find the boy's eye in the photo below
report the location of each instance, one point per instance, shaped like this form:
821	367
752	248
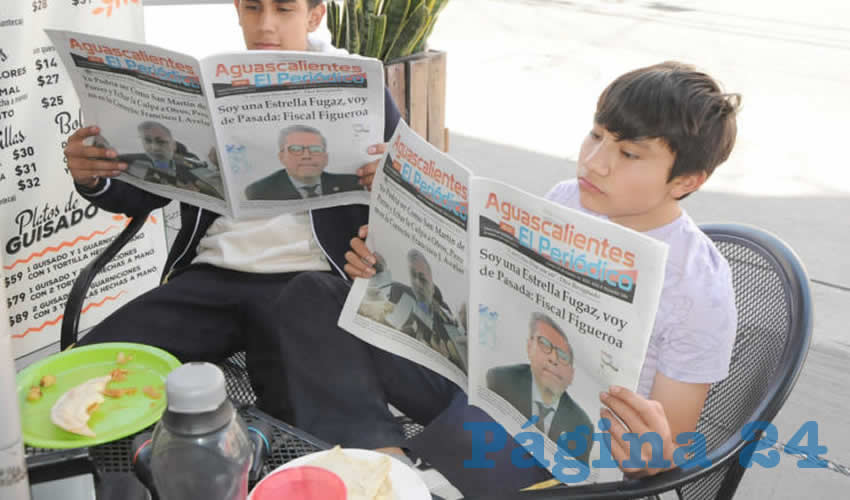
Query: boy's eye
630	156
595	136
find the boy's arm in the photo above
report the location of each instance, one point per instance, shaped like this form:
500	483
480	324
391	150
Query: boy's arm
682	402
673	407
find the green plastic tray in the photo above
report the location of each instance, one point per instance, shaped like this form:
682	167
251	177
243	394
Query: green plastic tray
115	418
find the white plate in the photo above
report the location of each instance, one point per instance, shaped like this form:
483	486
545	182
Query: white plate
407	485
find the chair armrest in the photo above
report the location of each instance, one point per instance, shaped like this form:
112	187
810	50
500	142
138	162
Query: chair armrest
633	488
77	296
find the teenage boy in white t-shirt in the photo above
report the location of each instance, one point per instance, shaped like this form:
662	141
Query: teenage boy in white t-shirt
658	133
236	285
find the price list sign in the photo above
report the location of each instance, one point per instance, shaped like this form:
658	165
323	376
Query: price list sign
48	231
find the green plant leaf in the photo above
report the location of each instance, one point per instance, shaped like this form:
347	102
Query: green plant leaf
370	7
377	29
436	7
342	29
352	27
396	12
333	21
362	27
410	33
414	4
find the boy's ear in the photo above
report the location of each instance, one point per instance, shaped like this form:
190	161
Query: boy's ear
316	15
687	183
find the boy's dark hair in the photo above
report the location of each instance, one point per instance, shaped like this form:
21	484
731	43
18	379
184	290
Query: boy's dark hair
676	103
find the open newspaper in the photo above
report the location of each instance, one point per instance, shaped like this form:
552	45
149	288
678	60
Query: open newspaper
245	134
513	297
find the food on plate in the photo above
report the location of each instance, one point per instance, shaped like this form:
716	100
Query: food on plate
47	381
123	358
34	394
365	479
119	393
151	392
118	375
73	409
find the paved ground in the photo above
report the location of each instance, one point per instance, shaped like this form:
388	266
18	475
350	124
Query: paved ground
523	79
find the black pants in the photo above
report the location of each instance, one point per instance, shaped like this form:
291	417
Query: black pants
207	314
309	372
348	400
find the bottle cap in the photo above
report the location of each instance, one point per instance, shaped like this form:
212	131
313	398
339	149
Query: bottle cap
195	388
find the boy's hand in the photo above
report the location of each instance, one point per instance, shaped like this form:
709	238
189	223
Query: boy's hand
360	261
88	163
367	171
640	415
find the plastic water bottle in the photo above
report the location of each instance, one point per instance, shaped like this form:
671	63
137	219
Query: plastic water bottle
200	447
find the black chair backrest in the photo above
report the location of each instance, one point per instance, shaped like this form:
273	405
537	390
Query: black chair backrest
79	291
774	330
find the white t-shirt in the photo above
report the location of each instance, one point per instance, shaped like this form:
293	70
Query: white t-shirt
279	244
695	326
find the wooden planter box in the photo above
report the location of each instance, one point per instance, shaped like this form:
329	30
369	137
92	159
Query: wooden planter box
418	86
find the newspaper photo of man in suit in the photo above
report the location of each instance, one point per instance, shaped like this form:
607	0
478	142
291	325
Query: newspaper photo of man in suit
303	152
167	161
418	310
539	388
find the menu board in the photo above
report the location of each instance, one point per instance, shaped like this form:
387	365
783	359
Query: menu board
48	231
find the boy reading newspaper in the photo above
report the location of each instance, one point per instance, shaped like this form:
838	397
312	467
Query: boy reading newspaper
657	135
233	285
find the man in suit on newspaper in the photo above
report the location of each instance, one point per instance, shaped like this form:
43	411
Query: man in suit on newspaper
304	156
540	388
166	161
418	310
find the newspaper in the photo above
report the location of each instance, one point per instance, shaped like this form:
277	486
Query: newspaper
245	134
512	297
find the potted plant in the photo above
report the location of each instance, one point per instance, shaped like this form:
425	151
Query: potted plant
396	32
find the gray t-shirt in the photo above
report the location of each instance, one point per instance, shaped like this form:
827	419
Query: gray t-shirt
695	326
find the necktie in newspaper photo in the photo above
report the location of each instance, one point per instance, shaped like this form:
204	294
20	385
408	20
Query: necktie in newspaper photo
311	190
543	411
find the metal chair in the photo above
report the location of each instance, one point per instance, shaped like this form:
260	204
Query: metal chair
79	291
774	331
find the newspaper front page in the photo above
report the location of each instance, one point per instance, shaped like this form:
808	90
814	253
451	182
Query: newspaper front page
558	305
415	304
247	134
565	308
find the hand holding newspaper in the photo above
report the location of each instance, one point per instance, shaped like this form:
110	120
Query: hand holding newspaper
245	134
561	304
